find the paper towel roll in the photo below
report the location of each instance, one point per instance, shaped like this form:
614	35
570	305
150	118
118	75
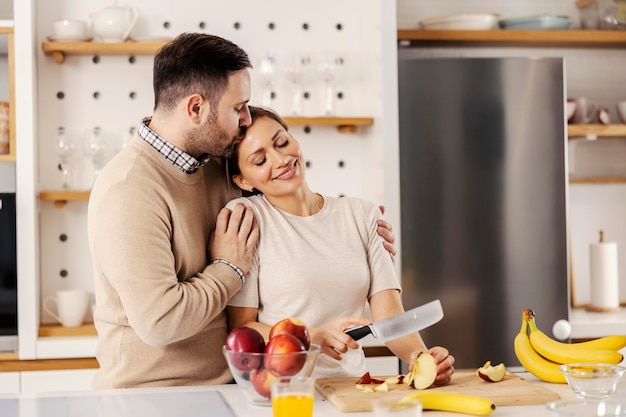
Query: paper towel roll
604	278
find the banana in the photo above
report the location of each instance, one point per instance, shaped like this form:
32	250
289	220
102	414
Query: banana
558	352
615	342
533	362
455	403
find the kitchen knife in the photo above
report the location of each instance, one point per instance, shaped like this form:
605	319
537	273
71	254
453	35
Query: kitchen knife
397	326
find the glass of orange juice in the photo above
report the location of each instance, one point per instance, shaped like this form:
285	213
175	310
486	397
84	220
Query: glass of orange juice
293	396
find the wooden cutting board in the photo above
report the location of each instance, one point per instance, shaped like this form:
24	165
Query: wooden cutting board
513	390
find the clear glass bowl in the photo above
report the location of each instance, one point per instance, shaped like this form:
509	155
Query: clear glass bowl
592	380
254	372
588	408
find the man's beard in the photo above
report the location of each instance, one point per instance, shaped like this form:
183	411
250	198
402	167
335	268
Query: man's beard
210	139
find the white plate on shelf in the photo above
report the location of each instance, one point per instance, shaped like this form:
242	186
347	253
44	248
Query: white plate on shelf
83	39
463	21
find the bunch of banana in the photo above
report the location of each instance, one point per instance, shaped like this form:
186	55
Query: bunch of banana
454	403
541	355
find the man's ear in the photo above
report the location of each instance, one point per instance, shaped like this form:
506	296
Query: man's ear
196	107
242	183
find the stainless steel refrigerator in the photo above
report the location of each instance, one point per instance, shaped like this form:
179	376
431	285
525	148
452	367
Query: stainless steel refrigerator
483	198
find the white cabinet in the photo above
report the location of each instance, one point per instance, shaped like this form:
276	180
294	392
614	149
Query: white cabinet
9	382
55	381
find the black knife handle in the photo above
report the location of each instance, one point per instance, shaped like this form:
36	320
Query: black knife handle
359	332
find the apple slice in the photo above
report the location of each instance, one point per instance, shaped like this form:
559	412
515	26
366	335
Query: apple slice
382	387
491	373
364	388
424	372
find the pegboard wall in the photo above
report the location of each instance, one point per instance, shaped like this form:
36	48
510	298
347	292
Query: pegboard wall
112	93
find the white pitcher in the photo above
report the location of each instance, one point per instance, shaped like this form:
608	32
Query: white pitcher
114	23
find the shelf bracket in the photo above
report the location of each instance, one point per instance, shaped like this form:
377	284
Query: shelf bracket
58	56
346	128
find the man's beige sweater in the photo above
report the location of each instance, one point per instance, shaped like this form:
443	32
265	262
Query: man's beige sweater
160	306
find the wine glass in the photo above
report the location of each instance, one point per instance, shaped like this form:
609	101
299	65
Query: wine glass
267	70
329	70
65	150
95	149
298	72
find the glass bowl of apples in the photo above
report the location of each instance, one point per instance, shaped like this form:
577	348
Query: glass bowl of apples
255	363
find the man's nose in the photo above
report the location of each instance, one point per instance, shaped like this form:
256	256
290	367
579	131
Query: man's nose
246	119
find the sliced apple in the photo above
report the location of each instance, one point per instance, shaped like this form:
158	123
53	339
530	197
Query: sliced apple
394	380
491	373
424	372
382	387
364	388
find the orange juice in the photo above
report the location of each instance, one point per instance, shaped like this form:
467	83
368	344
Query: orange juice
292	405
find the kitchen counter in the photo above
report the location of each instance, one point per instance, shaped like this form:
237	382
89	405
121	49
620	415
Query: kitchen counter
202	401
586	324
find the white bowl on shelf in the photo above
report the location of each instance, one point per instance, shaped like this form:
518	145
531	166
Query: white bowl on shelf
463	21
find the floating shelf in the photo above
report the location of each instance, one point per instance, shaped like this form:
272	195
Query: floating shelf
57	330
572	38
593	131
59	50
61	198
597	180
344	124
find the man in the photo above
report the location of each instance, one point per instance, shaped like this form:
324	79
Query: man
166	256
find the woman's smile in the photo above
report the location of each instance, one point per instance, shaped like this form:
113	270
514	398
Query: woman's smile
289	172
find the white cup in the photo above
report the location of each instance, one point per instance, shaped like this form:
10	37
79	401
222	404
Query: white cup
66	29
584	112
71	306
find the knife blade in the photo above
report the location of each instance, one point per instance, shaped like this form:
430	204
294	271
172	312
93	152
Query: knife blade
400	325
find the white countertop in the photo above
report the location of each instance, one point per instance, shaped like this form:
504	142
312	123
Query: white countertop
201	401
586	324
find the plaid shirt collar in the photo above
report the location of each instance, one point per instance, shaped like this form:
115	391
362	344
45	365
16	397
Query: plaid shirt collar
180	159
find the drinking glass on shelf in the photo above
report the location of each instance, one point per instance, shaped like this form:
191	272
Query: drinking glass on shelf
65	150
95	149
267	70
329	70
298	72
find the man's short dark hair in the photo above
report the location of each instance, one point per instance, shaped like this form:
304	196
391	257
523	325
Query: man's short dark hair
195	63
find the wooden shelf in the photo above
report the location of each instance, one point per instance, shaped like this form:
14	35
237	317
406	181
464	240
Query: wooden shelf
13	364
61	198
59	50
597	180
593	131
344	124
57	330
572	38
7	157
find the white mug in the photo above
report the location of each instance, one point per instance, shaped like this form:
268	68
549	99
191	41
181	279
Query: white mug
71	306
585	111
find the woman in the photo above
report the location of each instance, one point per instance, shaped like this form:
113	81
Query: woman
319	258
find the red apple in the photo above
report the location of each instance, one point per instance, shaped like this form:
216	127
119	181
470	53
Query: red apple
261	380
281	355
294	327
244	340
